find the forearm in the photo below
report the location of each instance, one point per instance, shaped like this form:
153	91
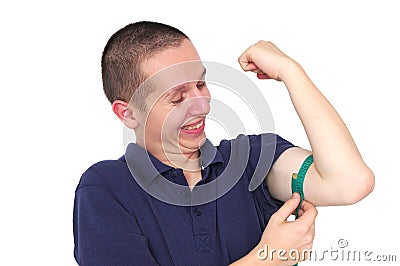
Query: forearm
338	175
336	156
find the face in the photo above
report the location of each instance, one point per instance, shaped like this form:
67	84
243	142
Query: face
175	120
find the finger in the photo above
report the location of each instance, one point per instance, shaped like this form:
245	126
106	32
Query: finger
301	210
311	229
249	66
246	62
304	206
287	209
308	213
262	75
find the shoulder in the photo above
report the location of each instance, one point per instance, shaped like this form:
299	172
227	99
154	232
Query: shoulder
255	144
102	173
255	153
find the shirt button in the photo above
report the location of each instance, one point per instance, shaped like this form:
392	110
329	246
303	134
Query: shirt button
197	212
174	175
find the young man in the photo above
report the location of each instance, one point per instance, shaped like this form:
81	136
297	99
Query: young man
119	219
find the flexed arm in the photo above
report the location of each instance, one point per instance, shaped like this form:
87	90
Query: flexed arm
338	175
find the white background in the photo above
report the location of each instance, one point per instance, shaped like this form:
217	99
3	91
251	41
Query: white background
56	121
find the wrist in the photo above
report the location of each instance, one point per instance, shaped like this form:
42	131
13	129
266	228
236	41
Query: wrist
290	69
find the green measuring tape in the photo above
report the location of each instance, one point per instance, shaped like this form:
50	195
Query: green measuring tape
298	181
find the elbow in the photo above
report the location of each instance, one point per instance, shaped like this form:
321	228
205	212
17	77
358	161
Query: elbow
371	182
367	185
362	186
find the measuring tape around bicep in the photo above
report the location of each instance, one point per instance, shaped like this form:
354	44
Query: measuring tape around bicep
298	181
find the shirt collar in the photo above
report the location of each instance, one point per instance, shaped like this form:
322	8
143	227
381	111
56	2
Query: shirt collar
142	164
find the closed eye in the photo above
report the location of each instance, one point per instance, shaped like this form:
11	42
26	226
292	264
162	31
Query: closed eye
177	101
178	98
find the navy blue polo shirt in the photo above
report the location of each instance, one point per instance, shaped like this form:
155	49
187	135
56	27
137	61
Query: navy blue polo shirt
138	211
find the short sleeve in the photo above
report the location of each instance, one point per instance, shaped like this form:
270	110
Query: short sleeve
104	232
268	147
264	151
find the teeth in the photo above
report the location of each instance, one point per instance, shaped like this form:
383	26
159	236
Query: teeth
194	127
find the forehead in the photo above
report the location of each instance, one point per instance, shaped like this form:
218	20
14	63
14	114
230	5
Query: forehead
171	56
175	78
173	67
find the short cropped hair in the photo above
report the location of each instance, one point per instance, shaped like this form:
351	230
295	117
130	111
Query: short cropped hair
124	55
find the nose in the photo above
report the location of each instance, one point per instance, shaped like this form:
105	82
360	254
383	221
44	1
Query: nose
199	102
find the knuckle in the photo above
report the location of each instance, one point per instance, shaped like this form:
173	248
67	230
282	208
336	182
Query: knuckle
261	43
314	212
308	239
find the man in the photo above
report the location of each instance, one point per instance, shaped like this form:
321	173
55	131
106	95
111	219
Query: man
124	212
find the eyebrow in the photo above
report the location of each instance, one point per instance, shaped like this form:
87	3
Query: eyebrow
178	88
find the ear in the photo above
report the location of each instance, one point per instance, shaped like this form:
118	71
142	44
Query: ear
125	113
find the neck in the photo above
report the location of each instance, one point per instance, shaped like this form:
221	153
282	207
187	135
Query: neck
189	162
174	156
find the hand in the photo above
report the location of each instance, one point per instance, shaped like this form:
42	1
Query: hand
295	235
265	59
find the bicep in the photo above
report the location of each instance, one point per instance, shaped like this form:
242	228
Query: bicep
279	179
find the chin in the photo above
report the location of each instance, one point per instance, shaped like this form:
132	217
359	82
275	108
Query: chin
192	144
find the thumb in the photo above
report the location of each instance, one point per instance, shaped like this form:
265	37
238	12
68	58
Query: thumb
248	66
288	208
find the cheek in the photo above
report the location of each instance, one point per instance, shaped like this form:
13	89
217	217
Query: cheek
176	117
154	121
164	121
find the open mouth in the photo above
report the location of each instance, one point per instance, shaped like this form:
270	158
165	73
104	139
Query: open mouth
194	128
